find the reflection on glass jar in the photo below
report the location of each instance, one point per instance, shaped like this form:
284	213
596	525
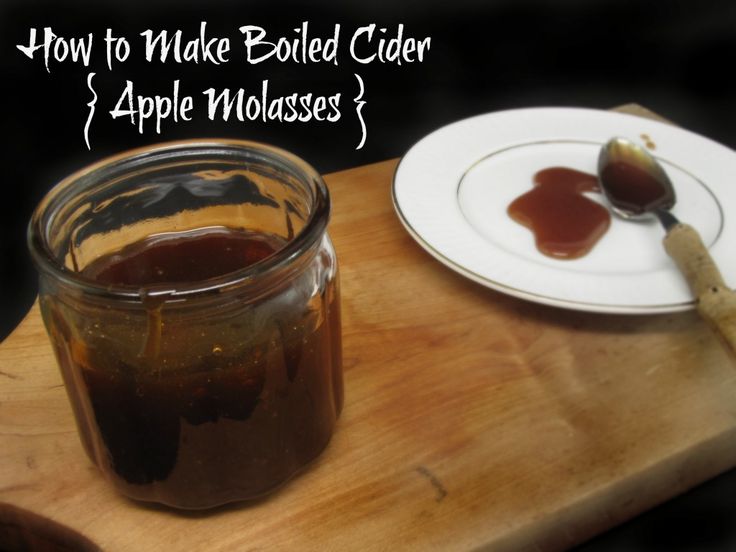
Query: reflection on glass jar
191	294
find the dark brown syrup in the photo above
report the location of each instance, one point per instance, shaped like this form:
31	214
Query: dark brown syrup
190	257
632	189
222	407
566	224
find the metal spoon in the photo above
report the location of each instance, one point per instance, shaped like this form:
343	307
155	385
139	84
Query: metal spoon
636	186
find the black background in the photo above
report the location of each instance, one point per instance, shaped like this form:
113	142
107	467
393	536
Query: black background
674	57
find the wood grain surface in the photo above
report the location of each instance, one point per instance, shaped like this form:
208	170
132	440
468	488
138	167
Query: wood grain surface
472	420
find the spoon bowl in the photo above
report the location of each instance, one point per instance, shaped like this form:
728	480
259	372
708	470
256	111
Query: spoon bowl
634	183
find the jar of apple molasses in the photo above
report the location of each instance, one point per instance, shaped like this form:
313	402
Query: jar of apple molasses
191	295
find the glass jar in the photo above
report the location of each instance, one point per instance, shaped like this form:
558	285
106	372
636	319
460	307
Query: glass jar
191	295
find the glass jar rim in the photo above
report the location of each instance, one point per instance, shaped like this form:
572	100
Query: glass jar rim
214	149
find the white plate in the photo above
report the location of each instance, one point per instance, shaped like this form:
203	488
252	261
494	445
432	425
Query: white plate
451	191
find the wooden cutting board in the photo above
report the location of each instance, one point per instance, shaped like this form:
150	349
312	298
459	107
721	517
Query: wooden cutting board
472	420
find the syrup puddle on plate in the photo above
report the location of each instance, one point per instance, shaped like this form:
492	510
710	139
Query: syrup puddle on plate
566	224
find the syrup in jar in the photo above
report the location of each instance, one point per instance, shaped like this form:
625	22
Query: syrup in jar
203	365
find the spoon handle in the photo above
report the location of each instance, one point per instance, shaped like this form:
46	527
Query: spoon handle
716	302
